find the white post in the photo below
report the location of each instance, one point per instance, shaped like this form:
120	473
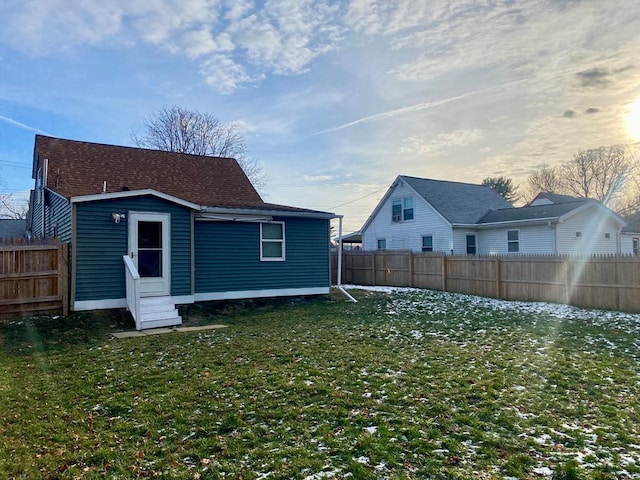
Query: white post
339	251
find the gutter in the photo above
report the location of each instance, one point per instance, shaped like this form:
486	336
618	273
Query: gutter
540	221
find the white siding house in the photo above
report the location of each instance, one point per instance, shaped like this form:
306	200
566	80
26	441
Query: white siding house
421	214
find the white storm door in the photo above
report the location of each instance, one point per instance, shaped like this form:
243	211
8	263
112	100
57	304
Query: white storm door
149	247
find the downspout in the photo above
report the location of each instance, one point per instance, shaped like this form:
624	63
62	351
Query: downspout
339	282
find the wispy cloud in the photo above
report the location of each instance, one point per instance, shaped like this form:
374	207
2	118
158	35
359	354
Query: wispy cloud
24	126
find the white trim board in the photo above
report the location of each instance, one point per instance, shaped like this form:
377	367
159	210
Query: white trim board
121	303
275	292
134	193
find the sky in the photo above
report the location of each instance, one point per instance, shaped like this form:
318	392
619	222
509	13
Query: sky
333	98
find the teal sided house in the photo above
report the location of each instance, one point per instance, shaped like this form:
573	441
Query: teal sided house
150	229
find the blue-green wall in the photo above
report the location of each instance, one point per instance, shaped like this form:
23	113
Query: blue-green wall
57	217
227	256
100	244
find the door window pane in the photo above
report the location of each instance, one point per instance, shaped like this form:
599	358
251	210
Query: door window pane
150	263
149	234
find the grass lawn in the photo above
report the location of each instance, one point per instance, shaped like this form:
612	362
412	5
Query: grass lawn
409	384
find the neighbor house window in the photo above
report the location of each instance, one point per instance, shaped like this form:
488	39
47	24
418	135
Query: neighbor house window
471	244
513	241
427	243
382	244
578	234
607	235
407	211
272	241
636	245
402	209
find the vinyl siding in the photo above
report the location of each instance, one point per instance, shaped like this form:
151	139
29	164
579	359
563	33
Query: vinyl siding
35	210
626	243
460	240
100	244
536	239
593	225
407	235
57	217
227	256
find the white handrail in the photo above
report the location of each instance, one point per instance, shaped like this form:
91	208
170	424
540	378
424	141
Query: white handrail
132	278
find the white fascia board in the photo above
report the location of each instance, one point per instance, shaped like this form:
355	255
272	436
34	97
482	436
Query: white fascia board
384	198
238	212
134	193
212	217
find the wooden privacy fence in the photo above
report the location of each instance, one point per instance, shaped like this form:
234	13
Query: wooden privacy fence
608	282
33	279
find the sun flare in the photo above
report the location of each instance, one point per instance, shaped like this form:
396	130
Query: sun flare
633	120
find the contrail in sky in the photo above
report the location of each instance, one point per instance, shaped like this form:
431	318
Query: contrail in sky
11	121
413	108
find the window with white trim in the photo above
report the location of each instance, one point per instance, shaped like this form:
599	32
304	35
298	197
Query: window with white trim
636	245
513	241
272	245
427	243
471	244
607	235
402	209
578	234
382	244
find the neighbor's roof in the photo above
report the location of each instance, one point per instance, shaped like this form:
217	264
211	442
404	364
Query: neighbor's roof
458	203
80	168
11	228
633	223
556	198
551	211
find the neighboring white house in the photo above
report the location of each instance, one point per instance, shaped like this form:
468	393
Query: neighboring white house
421	214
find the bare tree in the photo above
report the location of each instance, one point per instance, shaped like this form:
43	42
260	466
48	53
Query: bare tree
176	129
504	186
13	208
544	180
601	173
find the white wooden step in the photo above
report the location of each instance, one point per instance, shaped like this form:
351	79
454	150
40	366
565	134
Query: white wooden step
158	312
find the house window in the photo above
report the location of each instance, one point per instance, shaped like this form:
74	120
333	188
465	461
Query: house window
578	234
272	241
471	244
407	211
607	235
513	241
636	245
402	210
382	244
396	211
427	243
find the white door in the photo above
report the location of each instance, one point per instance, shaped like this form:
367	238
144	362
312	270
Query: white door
150	250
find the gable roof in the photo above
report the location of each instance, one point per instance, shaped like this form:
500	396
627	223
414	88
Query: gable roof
553	212
458	203
78	168
550	211
555	198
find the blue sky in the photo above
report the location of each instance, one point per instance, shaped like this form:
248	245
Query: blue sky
334	99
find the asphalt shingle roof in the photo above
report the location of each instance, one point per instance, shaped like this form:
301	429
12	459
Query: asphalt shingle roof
80	168
551	211
461	203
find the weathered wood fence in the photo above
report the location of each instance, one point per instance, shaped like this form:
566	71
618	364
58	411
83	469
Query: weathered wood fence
33	279
607	282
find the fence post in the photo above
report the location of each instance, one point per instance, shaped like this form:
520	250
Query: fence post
63	277
444	272
498	277
567	280
411	269
373	268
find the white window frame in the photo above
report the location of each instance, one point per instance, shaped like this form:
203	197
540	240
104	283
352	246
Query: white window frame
272	240
422	245
607	235
384	240
516	242
578	234
396	218
475	243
